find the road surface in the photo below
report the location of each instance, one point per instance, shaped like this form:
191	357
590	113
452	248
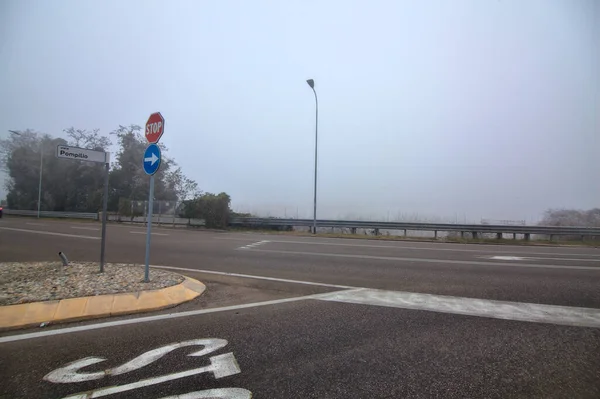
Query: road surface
301	317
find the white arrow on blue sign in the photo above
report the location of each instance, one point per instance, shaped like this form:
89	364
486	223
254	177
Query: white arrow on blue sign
151	159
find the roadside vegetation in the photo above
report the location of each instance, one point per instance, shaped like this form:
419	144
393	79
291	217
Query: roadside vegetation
78	186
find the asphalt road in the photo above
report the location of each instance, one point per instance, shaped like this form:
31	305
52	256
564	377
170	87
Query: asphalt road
310	317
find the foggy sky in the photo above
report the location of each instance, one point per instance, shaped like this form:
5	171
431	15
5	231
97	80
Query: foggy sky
451	109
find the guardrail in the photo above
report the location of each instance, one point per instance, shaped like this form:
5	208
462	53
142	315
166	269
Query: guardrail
158	219
353	225
52	214
474	229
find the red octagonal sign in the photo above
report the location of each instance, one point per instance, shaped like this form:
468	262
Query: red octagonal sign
155	127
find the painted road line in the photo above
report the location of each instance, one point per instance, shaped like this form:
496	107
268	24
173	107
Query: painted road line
530	312
282	280
503	257
50	233
512	257
215	393
85	228
424	260
143	232
256	244
146	319
36	224
412	248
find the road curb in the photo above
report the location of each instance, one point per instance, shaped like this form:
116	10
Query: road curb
93	307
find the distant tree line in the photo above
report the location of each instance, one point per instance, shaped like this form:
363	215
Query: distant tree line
77	186
571	217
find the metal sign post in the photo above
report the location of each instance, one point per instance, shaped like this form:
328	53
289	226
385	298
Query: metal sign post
149	230
151	162
83	154
104	216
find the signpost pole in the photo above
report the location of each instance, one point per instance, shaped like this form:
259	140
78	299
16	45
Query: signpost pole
85	154
155	127
149	230
104	216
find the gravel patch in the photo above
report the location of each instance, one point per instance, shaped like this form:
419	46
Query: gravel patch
46	281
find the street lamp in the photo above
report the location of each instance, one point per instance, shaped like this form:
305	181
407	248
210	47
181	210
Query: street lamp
311	83
41	171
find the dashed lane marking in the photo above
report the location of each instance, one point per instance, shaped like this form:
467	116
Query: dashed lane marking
253	245
143	232
425	260
49	233
402	246
505	257
85	228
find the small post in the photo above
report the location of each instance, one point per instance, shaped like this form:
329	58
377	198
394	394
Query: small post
462	234
353	230
149	231
499	236
64	259
526	236
435	234
474	235
404	233
514	236
174	213
104	216
550	237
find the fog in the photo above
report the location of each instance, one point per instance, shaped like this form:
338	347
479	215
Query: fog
438	109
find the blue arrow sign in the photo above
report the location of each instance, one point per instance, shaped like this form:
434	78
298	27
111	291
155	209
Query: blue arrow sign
151	159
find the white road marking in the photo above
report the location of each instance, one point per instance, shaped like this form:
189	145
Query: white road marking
143	232
485	248
512	257
36	224
283	280
50	233
256	244
69	372
221	366
530	312
506	257
218	393
146	319
85	228
424	260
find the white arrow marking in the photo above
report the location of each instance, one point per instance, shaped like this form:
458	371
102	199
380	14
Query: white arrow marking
151	159
221	366
69	373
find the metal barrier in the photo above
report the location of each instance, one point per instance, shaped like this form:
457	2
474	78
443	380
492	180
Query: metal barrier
52	214
448	227
351	224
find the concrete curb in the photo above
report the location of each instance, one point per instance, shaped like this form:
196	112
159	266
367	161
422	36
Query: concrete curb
92	307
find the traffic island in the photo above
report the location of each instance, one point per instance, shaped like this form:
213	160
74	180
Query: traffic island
37	294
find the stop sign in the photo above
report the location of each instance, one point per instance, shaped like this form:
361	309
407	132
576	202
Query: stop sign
155	127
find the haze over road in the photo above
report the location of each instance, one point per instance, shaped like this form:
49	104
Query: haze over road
324	318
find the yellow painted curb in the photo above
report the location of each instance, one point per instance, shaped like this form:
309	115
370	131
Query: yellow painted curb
91	307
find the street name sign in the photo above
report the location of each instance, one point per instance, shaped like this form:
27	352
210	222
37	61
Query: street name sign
81	154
